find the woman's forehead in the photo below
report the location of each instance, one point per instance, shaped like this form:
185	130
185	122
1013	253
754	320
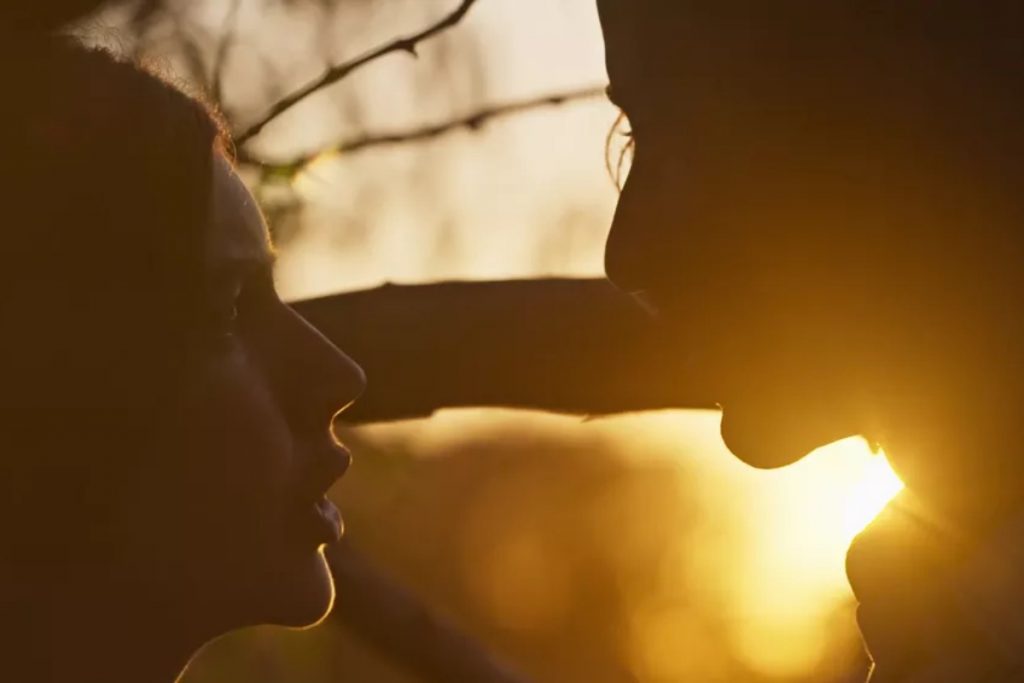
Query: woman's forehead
238	231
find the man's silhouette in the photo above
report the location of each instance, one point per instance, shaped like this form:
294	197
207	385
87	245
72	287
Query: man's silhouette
826	206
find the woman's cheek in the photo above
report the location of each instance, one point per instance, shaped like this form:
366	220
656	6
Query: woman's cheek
238	462
259	443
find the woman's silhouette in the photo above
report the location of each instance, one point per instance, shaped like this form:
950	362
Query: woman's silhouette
825	204
166	418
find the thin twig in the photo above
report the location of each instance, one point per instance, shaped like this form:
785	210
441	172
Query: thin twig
223	52
337	72
474	121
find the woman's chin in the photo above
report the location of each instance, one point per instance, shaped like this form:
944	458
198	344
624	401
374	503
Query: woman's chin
305	595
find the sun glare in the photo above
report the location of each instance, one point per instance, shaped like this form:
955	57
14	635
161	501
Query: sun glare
877	485
795	578
764	551
719	571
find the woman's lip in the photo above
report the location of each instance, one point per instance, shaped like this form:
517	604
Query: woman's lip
327	522
328	463
339	458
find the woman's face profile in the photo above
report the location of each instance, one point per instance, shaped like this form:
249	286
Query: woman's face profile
236	517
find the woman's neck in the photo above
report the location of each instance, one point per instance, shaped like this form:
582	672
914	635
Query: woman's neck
91	636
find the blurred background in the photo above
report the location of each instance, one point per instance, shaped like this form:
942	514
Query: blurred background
623	549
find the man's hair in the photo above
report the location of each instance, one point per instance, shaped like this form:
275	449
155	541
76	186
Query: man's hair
982	34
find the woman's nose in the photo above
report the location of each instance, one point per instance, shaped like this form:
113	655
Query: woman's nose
319	380
345	383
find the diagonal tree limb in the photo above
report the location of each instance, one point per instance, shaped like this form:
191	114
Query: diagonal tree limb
336	73
473	121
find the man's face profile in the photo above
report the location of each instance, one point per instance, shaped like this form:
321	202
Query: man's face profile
794	161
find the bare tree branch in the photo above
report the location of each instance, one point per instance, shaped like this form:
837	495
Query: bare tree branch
223	52
474	121
337	72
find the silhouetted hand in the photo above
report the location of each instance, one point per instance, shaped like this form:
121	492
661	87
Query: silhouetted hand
935	606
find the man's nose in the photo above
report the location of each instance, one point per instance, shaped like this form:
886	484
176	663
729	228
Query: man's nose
637	253
624	263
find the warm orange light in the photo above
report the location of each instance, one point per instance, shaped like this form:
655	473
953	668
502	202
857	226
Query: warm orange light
797	577
772	562
718	567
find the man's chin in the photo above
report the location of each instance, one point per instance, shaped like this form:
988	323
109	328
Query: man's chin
768	439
